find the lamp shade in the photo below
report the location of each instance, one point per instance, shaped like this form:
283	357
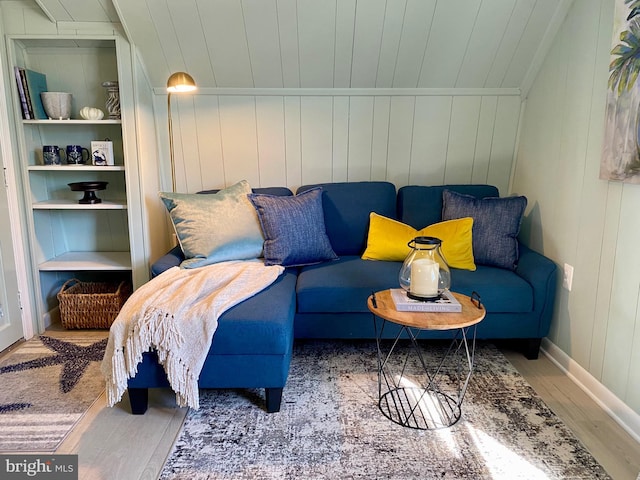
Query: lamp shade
181	82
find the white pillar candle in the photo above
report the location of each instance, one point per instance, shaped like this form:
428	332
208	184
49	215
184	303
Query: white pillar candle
424	277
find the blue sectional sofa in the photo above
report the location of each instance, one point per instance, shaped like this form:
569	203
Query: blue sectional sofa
253	344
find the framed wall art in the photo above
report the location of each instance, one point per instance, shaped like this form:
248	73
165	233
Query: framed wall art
621	145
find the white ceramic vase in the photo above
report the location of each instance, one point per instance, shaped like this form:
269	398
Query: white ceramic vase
57	105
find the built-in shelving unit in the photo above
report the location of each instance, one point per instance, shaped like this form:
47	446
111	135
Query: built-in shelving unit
92	242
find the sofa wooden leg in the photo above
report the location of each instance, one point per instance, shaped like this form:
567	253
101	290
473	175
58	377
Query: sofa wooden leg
532	348
139	400
273	397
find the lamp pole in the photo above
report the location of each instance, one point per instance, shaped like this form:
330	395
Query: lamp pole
172	158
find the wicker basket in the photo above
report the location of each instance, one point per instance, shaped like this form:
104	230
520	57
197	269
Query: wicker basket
91	305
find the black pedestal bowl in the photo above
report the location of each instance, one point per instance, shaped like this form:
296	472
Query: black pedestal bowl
89	189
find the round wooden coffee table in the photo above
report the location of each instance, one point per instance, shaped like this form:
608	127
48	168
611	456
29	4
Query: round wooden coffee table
423	386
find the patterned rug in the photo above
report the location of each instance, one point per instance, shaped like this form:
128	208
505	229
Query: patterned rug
48	383
330	427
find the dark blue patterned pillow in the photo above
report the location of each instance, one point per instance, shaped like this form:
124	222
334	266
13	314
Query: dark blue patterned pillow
293	228
496	223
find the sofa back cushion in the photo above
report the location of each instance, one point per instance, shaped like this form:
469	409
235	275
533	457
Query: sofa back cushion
420	206
347	206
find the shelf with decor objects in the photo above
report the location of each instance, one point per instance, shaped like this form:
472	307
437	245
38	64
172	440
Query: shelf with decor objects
94	235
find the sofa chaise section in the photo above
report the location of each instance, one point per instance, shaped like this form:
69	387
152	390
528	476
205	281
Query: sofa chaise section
252	345
251	348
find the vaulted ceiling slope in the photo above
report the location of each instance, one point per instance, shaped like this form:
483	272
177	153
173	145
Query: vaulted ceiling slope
334	43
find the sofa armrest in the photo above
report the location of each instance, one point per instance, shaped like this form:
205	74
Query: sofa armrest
172	258
541	273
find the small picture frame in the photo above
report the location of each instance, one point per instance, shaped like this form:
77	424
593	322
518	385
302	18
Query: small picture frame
102	152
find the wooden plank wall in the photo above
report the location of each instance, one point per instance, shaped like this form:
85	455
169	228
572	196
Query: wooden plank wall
575	217
294	139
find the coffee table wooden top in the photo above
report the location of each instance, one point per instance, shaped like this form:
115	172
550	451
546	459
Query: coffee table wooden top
470	314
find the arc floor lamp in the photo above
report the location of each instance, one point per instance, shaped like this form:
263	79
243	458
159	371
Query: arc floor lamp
179	82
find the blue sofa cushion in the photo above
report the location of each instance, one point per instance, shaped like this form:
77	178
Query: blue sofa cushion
343	285
262	324
173	258
347	206
496	224
293	228
500	290
420	206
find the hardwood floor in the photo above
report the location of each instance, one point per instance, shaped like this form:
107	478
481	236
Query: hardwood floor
112	444
614	448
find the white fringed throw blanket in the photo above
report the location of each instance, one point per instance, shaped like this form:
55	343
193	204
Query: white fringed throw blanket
177	314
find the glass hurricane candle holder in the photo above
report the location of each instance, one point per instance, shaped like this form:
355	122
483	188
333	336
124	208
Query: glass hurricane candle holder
425	274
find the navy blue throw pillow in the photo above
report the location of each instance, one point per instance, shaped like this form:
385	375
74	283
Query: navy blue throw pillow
293	228
496	224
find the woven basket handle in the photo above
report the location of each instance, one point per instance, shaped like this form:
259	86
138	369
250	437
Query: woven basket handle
120	287
64	285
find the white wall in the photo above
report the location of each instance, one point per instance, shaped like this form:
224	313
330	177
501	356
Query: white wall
295	137
576	218
155	220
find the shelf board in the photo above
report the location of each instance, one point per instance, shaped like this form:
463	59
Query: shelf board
87	261
72	122
67	168
64	204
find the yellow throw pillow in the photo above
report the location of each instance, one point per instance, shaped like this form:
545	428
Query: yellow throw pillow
388	240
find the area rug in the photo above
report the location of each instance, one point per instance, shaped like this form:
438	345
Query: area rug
330	426
48	383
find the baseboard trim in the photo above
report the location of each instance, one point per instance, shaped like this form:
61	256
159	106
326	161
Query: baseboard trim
610	403
51	317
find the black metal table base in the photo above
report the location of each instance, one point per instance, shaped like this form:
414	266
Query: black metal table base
417	389
420	408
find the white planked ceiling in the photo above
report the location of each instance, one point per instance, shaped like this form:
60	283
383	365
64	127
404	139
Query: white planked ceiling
79	10
333	43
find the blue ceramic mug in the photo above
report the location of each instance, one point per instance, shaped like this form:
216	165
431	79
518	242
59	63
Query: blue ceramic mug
51	154
77	154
